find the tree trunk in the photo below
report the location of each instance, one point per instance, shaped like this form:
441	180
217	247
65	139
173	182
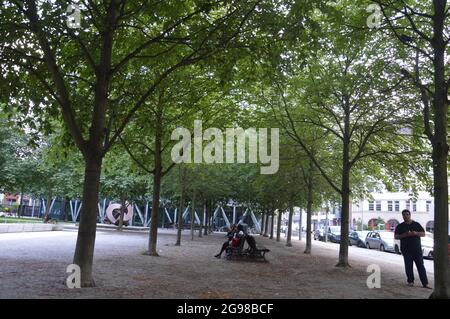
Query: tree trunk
84	250
64	211
203	218
345	188
20	210
263	224
289	230
345	210
193	215
180	213
272	225
440	157
266	226
123	208
205	228
300	222
163	219
156	193
279	225
309	205
440	253
47	208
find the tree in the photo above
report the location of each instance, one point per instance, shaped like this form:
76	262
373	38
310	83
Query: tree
420	29
347	96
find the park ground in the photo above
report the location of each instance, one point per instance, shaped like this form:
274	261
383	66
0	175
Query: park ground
33	265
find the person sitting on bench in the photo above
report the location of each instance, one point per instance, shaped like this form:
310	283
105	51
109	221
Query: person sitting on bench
230	236
236	240
251	243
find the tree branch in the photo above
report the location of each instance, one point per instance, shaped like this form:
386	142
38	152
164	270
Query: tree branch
67	110
139	163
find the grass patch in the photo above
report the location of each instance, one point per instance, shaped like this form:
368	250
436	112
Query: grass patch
13	220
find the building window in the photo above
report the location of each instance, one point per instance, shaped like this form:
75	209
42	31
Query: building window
414	206
371	205
397	206
378	206
389	206
408	205
428	206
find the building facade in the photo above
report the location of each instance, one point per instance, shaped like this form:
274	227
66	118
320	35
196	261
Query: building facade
384	210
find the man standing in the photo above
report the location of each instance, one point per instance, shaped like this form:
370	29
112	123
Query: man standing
409	233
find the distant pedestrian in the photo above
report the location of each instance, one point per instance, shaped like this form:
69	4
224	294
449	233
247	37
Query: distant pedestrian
409	233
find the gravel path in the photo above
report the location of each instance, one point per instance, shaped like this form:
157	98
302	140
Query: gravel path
32	265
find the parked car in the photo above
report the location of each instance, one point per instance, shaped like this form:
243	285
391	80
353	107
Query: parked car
334	234
382	240
319	234
427	243
358	238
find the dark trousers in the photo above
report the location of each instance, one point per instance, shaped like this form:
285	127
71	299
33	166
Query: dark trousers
224	246
416	258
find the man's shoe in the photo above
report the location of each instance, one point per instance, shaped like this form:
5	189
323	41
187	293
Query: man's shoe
217	256
410	284
427	287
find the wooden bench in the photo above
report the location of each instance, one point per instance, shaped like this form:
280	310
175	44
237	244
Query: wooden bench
238	253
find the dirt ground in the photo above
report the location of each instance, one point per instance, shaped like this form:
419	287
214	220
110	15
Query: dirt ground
33	266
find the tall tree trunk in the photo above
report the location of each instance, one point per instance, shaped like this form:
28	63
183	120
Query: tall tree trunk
309	205
440	157
263	223
212	217
266	226
345	187
20	209
300	221
289	230
272	225
279	225
123	208
156	193
205	229
47	208
84	250
202	218
180	213
440	253
64	211
93	154
193	215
